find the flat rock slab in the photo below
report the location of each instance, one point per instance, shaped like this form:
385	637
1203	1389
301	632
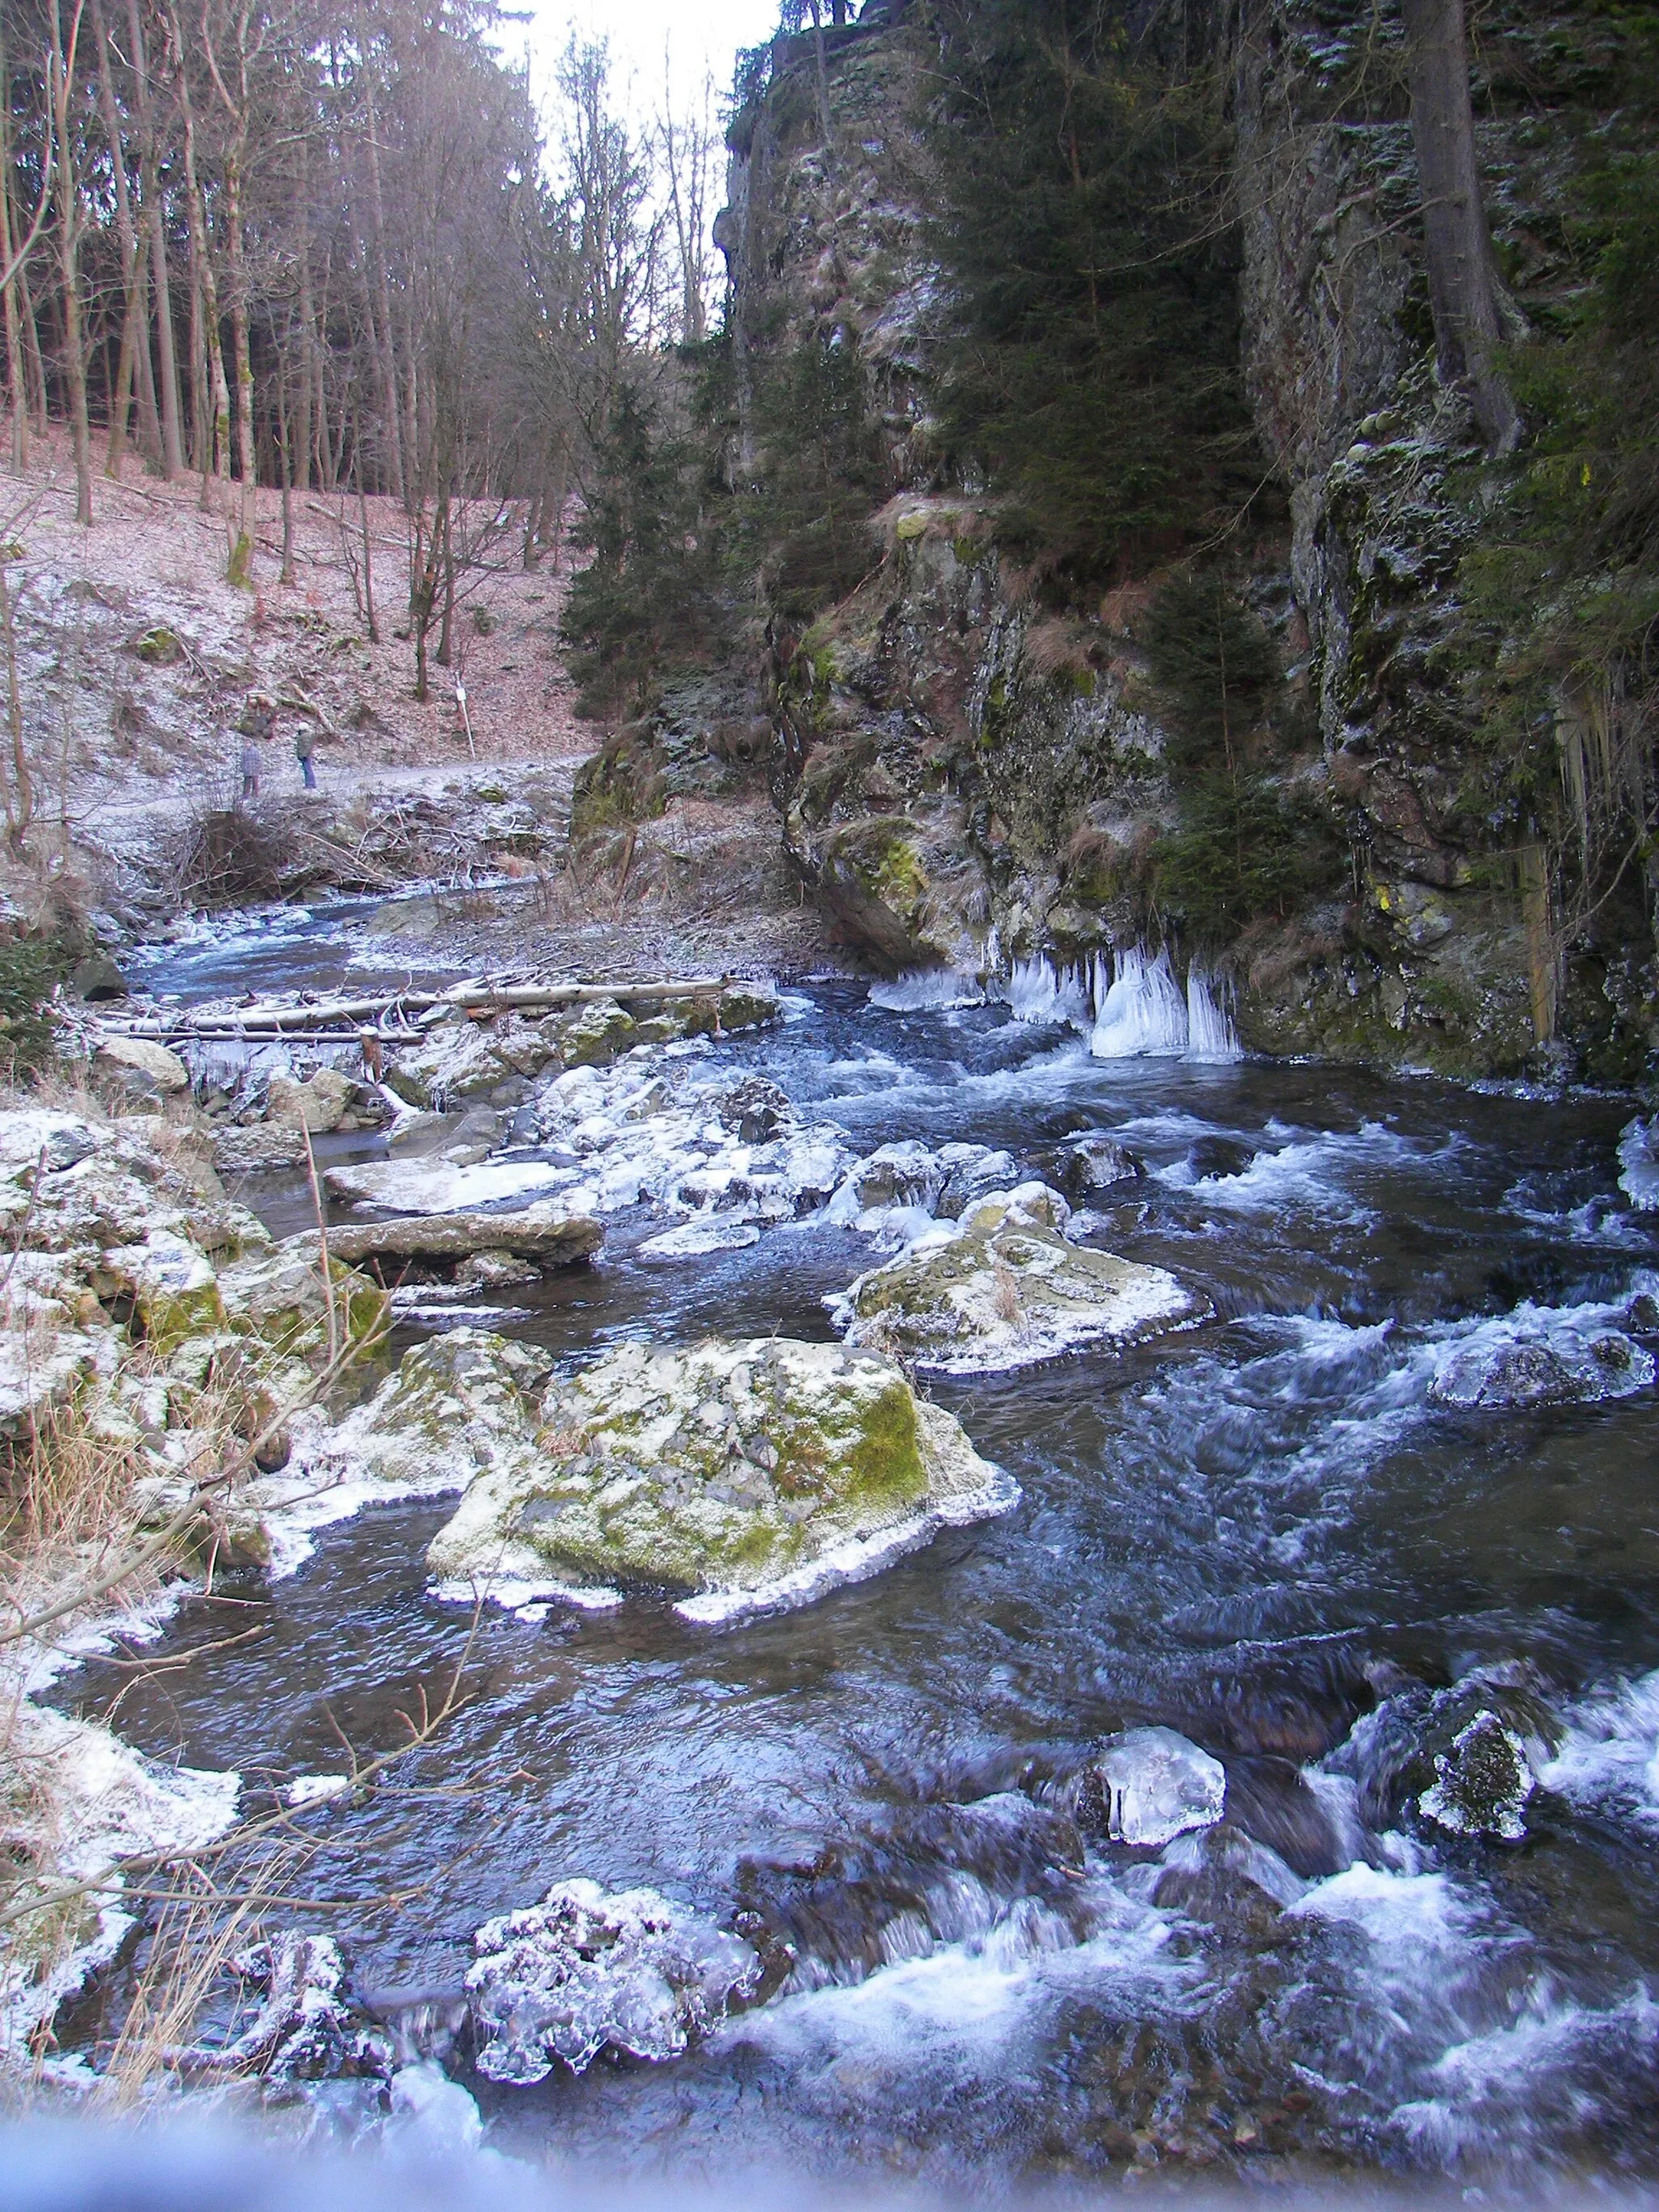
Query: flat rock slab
440	1188
550	1238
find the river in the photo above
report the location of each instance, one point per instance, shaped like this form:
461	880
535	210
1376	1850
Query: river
1248	1532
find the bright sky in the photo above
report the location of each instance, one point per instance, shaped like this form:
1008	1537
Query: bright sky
703	36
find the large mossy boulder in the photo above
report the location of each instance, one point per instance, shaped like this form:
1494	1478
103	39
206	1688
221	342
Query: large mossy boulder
1003	1288
724	1476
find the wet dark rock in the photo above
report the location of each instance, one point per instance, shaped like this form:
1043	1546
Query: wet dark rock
1227	1879
1087	1165
1534	1367
1439	1754
1098	1162
1270	1800
754	1110
1209	1157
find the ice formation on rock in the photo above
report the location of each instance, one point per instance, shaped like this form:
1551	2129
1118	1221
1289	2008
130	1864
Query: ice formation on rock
1482	1782
584	1972
1149	1786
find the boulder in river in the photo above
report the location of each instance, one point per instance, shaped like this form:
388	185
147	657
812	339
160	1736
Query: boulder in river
1517	1364
730	1475
141	1063
583	1973
1149	1786
1465	1757
317	1103
1003	1288
1482	1781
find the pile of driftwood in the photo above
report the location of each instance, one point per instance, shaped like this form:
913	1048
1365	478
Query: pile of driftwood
396	1014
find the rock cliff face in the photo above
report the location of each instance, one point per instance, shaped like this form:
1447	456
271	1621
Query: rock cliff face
969	776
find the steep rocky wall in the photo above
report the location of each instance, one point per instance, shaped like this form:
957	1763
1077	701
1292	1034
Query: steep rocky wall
968	775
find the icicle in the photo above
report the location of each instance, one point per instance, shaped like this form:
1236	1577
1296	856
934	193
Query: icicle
1040	991
923	989
1142	1013
1211	1033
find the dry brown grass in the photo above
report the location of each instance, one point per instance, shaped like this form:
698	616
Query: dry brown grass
1005	1300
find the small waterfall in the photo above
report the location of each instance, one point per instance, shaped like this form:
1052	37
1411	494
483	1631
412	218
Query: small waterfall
1143	1013
1211	1035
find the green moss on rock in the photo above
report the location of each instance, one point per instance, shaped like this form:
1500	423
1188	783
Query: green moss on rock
719	1472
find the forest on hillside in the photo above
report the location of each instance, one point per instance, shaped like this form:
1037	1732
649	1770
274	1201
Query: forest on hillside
341	248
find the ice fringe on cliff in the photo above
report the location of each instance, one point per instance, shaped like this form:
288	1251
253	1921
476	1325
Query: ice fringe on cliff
1129	1007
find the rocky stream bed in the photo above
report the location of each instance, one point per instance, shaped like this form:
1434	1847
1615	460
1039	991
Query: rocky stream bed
1032	1609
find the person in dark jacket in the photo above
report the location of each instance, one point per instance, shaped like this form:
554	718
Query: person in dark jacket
304	744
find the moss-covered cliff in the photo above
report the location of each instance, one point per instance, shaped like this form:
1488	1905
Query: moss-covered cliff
1158	587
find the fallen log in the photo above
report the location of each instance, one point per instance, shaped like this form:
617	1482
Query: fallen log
470	998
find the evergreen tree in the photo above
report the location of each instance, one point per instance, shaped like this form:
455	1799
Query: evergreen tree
1096	378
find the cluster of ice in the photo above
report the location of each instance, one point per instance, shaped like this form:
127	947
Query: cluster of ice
926	990
583	1973
1129	1005
303	2026
1149	1786
1639	1163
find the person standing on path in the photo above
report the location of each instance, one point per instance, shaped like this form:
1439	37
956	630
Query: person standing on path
304	743
251	767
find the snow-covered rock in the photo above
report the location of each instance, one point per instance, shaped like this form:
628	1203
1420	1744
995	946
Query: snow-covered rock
1482	1781
1003	1288
1537	1357
731	1475
583	1973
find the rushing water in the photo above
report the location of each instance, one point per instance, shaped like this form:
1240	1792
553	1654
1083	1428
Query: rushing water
1240	1532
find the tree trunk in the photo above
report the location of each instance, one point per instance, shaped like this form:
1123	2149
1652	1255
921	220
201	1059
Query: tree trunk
134	317
1462	281
285	450
16	374
213	452
299	462
68	271
388	366
239	568
173	441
